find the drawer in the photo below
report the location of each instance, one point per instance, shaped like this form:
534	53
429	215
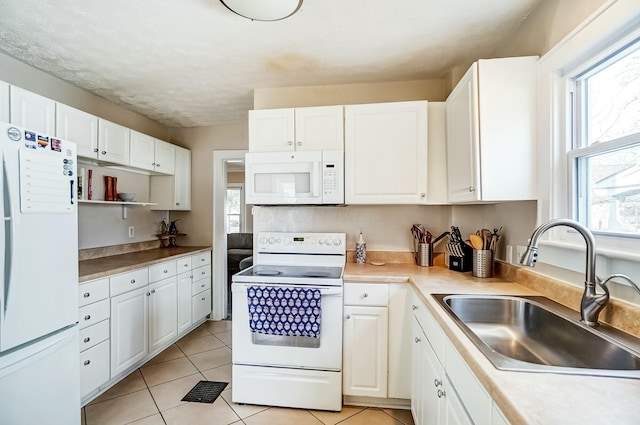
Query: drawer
94	334
128	281
94	368
201	273
94	313
201	305
183	264
201	259
200	285
162	271
93	291
372	294
431	328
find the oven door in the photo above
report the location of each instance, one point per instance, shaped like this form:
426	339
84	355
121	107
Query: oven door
253	348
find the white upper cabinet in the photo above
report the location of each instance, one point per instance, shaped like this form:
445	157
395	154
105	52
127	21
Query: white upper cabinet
32	111
151	154
303	129
491	146
4	102
386	153
173	192
113	142
78	127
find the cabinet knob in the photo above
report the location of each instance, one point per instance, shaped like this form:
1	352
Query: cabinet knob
414	307
185	265
365	295
417	340
299	144
178	203
348	316
472	189
165	271
203	299
158	165
87	295
87	339
289	143
133	281
153	163
103	152
153	291
202	286
148	294
437	382
87	362
95	150
422	195
87	317
441	393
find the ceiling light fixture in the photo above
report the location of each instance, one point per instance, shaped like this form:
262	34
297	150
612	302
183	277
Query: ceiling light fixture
263	10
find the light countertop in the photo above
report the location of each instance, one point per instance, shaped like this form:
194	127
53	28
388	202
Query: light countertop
106	266
523	397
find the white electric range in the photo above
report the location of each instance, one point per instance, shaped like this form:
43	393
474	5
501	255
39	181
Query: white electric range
287	322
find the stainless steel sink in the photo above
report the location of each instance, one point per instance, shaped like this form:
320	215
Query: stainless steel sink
535	334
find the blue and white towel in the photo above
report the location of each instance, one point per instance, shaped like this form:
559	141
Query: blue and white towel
284	311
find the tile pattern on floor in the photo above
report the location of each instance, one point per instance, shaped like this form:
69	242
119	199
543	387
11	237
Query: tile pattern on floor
152	394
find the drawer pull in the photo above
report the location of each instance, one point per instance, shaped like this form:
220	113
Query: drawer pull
87	362
441	393
87	294
437	382
87	317
165	271
87	339
202	259
365	295
153	291
414	307
203	299
417	340
133	281
202	286
185	265
348	316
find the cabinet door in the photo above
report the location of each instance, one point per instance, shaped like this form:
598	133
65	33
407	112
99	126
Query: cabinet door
271	130
184	301
165	157
463	159
400	325
429	380
78	127
32	111
142	151
163	312
94	368
113	142
454	411
5	116
319	128
201	305
386	153
129	329
183	179
365	351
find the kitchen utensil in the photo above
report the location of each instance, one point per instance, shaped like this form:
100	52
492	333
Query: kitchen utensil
477	242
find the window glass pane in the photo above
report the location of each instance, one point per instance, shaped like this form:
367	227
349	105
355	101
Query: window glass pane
613	99
233	209
610	187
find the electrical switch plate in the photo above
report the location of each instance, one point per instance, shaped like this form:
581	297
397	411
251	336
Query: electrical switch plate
519	253
131	231
509	254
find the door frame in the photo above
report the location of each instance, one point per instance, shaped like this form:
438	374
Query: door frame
219	290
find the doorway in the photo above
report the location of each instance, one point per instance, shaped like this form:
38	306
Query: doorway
224	162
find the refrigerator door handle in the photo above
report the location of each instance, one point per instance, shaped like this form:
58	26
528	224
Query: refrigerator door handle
7	236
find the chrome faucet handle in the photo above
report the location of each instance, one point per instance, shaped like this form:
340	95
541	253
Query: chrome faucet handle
593	303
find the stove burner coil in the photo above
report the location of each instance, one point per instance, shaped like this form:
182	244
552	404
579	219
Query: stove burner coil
268	272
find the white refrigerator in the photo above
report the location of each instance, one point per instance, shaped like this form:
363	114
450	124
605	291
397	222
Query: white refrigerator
39	348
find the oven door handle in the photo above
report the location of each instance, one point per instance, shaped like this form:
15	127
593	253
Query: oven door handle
324	291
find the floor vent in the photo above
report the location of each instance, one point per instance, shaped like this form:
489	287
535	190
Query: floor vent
205	392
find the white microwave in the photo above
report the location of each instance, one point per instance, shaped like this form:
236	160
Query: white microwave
294	178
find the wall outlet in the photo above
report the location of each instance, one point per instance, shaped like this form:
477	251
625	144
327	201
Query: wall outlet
132	231
509	254
520	252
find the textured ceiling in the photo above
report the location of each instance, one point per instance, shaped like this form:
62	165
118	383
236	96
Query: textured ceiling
194	63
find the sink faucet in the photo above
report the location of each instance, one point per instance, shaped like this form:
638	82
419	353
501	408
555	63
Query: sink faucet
592	303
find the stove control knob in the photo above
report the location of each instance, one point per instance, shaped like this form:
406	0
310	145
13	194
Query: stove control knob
263	240
328	242
272	240
337	242
278	240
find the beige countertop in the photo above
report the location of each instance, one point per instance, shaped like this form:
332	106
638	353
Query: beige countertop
106	266
523	397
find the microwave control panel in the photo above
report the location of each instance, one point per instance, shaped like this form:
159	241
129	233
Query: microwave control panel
332	177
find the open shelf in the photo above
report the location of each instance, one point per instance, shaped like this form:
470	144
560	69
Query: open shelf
124	204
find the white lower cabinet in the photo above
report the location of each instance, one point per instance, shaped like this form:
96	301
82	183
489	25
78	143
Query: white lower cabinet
184	301
129	329
365	351
163	312
201	305
444	389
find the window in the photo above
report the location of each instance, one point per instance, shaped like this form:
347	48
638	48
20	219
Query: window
234	206
604	159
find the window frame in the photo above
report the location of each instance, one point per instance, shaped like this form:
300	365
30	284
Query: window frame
242	219
610	28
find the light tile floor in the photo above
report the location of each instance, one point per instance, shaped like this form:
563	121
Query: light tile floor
151	395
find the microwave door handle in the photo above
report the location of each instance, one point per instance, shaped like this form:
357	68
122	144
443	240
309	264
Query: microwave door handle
315	180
